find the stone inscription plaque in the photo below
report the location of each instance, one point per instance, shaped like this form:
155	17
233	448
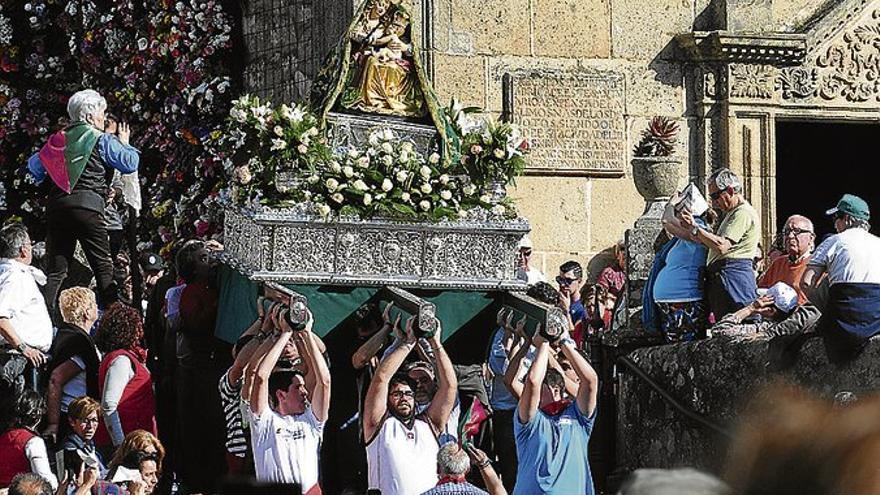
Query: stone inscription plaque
575	121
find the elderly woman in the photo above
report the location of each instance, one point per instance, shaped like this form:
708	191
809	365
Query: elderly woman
673	298
78	161
73	369
126	388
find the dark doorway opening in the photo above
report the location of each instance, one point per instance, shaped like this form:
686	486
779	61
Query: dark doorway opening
816	163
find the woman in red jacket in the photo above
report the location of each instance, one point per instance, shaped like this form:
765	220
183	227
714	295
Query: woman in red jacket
126	388
21	448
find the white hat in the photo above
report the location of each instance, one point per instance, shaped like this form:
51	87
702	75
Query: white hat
525	243
691	199
784	296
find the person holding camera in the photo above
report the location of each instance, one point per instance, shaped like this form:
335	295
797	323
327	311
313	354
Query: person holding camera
552	433
402	445
286	421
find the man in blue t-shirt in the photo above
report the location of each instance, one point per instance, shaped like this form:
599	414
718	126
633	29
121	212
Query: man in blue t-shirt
571	281
552	432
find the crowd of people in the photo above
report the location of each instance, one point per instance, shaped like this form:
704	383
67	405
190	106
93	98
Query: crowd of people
100	396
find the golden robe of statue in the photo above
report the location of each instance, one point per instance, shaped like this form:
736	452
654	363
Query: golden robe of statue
386	83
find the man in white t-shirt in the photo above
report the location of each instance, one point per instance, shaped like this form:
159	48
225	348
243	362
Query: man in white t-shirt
286	428
850	262
402	445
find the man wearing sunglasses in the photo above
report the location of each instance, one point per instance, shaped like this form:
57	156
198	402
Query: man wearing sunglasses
570	280
730	281
797	236
524	269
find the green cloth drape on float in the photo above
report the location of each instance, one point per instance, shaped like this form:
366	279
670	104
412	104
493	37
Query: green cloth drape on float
331	305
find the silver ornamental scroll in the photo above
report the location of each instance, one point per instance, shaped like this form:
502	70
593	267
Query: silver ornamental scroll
296	246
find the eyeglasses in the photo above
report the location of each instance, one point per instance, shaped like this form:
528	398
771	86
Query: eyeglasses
564	281
795	232
402	393
715	195
526	252
87	421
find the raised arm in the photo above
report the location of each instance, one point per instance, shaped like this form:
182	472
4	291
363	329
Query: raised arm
259	399
447	385
376	402
531	394
571	386
247	351
514	366
589	386
320	395
371	347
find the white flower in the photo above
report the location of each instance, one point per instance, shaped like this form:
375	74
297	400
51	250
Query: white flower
469	190
347	171
313	179
278	144
278	131
404	197
425	171
360	185
404	156
332	184
426	188
498	210
367	199
302	148
380	196
402	176
313	131
462	213
337	197
425	205
242	174
447	195
323	210
387	160
142	44
387	148
434	159
352	152
444	179
499	153
443	203
363	162
407	146
485	198
374	139
387	185
335	167
388	134
238	114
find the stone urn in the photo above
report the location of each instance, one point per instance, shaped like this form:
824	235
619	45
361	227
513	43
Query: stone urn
656	178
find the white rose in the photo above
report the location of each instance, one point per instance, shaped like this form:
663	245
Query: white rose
499	153
388	135
387	160
425	171
374	139
337	197
498	210
402	176
462	213
332	184
404	197
367	199
443	203
426	188
380	196
302	148
447	195
425	205
434	159
387	148
353	153
313	179
444	179
278	131
313	131
485	198
335	167
347	171
407	146
387	185
278	144
360	185
323	210
469	189
404	156
363	162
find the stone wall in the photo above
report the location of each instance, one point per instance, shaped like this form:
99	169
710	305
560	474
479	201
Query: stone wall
716	378
476	43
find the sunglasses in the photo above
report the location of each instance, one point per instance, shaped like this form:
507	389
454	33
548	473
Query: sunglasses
526	252
717	194
563	281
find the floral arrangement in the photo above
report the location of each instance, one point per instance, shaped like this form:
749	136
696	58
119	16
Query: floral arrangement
658	139
279	157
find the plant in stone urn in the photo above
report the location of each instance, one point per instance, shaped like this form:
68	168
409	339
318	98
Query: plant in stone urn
655	169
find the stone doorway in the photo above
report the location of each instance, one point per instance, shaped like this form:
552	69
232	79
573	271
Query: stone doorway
817	162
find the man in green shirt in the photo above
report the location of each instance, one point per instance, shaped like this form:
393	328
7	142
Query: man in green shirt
730	280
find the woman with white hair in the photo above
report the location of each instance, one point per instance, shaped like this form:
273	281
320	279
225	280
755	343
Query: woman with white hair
79	160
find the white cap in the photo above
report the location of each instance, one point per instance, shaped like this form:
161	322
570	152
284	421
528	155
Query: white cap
525	243
784	296
691	199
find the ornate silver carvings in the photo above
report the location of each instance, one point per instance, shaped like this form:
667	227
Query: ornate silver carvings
477	253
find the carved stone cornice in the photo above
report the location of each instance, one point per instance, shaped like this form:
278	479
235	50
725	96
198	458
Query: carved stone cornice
723	47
